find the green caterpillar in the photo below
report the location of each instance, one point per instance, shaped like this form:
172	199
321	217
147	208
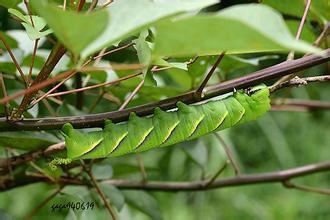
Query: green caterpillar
166	128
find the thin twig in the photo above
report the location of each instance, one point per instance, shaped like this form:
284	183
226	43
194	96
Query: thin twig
30	156
299	31
92	6
35	42
112	51
211	180
107	3
142	168
291	185
98	189
4	94
112	66
2	38
32	60
55	55
53	89
324	34
286	103
298	82
200	89
44	202
131	96
36	87
29	12
300	28
229	154
64	5
93	86
97	101
49	108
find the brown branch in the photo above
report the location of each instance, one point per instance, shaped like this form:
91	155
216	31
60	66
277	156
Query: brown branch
97	120
30	156
92	6
200	89
57	52
100	192
72	73
286	103
131	96
291	185
246	179
12	56
4	93
35	88
323	35
107	3
80	5
94	86
299	81
213	179
32	60
299	31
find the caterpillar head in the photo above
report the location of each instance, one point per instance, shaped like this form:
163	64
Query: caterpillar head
78	143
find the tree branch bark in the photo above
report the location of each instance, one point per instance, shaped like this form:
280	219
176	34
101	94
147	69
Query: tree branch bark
246	179
97	120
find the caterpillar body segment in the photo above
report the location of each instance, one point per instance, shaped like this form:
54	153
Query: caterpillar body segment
167	128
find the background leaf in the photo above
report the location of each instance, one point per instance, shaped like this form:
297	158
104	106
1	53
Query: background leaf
26	140
262	27
68	26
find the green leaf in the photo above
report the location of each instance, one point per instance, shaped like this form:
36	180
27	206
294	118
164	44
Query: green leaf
9	3
38	61
144	202
238	29
102	171
144	54
26	140
129	18
74	30
164	63
306	34
319	8
33	31
196	151
115	196
295	7
7	67
19	15
9	40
